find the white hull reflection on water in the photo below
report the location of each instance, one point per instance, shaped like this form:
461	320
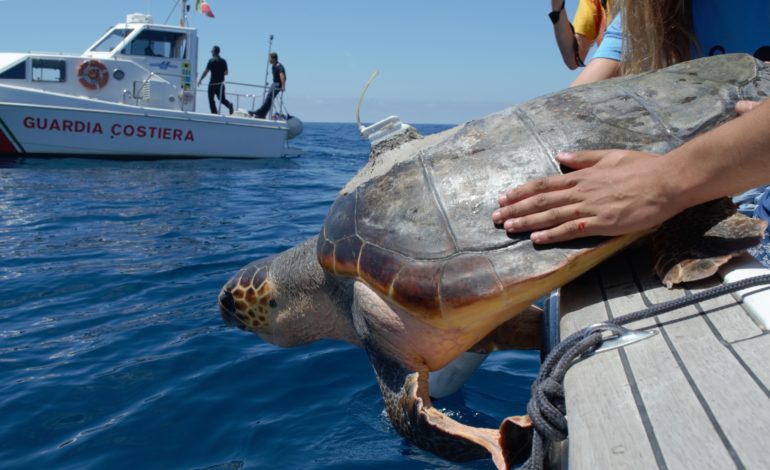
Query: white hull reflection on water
111	347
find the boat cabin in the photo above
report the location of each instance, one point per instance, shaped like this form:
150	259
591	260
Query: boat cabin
137	62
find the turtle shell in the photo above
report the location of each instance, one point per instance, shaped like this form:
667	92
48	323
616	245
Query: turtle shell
415	225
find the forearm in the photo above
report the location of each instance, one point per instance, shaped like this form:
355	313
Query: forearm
596	70
565	37
725	161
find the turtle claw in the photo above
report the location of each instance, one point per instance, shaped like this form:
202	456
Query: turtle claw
691	270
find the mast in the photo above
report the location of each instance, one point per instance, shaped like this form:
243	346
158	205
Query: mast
185	9
267	67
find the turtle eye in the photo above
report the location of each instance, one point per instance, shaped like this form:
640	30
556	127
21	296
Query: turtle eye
273	303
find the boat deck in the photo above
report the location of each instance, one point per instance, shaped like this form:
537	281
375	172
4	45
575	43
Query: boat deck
694	395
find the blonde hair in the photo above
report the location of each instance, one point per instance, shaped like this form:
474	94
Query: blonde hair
656	34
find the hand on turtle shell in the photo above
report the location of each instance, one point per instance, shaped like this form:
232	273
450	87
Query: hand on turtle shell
744	106
613	192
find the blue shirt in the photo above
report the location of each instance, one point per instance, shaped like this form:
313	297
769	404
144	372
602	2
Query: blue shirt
610	48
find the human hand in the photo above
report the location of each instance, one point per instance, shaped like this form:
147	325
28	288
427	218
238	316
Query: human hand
744	106
613	192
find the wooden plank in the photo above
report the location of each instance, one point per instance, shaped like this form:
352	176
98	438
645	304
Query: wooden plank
754	353
695	395
739	406
586	382
583	310
620	446
655	373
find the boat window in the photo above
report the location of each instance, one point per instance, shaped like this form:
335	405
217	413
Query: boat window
48	70
158	44
110	42
18	71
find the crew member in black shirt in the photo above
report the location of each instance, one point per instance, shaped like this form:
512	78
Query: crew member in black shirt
218	68
279	85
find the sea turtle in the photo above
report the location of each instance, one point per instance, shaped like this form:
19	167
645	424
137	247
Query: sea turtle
409	266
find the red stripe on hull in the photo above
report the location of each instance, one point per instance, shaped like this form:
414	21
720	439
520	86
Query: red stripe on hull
6	146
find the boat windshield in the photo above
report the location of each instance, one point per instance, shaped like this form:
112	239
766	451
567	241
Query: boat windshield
155	43
110	42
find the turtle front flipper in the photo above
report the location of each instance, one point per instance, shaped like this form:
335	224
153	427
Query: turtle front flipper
412	414
694	244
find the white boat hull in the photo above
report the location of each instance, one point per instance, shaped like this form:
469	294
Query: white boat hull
43	124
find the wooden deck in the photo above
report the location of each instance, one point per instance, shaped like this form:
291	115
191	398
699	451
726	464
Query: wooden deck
696	395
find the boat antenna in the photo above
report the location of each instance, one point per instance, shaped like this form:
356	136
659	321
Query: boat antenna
361	100
183	13
176	3
269	50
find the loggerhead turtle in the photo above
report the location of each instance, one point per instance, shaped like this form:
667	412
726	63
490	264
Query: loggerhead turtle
409	266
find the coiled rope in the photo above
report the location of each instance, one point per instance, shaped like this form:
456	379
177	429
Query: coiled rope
547	407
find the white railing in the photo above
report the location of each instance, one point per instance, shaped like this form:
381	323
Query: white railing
250	97
246	96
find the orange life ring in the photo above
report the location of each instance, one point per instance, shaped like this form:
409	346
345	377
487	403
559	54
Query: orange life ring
93	75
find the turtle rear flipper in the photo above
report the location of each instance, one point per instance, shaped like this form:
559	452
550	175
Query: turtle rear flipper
522	332
411	412
694	244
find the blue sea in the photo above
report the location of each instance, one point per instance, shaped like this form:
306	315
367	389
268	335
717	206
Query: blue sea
112	351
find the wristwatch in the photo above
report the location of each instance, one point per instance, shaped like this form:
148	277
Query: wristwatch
556	14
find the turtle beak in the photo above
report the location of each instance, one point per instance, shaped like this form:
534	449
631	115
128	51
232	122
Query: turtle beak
227	307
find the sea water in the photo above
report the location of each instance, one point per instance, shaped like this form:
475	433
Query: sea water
112	351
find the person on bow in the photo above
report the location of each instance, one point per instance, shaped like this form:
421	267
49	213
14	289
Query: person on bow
279	85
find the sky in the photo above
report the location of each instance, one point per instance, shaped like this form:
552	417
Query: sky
439	61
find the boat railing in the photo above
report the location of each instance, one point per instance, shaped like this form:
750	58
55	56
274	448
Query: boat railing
249	97
244	96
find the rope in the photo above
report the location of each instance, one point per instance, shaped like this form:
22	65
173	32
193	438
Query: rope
547	407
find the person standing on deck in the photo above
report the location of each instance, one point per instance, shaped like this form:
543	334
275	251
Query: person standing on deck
279	85
218	68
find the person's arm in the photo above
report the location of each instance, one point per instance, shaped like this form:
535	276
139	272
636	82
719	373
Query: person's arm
614	192
282	76
598	69
205	72
584	44
565	36
605	62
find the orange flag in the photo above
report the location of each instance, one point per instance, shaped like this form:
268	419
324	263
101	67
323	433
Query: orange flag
204	8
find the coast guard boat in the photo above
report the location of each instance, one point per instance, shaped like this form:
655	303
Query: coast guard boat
130	95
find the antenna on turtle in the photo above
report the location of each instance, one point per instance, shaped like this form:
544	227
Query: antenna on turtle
361	127
387	128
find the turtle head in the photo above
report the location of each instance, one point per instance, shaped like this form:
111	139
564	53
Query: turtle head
288	299
247	301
